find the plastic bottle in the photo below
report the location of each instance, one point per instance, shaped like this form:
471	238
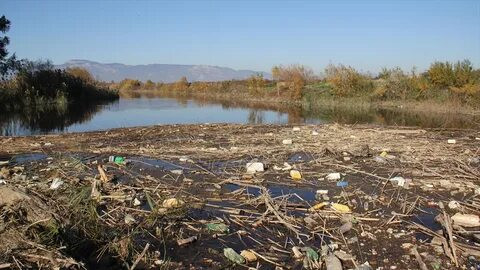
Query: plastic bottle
116	159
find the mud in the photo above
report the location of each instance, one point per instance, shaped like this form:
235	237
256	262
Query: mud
204	166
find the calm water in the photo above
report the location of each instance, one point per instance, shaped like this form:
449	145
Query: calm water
144	111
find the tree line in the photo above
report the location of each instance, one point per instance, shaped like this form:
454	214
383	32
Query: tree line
442	80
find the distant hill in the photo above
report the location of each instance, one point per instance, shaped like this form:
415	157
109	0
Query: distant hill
160	72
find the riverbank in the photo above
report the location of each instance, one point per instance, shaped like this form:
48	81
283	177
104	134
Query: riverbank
185	196
342	110
156	108
444	86
38	86
312	103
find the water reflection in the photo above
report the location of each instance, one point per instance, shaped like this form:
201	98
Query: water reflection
394	117
255	117
136	109
41	120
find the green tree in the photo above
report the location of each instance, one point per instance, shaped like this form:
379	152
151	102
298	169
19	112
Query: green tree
441	74
7	64
446	74
464	73
4	41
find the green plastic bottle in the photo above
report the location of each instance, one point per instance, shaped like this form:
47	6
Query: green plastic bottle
116	159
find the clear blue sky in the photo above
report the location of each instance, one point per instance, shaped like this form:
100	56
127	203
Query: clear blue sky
247	34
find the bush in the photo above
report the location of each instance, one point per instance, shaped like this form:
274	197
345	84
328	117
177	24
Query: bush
80	73
441	74
396	84
297	84
293	78
346	81
38	84
181	85
129	84
288	73
468	93
159	85
149	85
199	86
445	74
256	84
464	74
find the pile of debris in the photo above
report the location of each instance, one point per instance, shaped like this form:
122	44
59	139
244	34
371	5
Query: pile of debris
247	197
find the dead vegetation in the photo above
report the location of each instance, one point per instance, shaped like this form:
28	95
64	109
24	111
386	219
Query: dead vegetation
365	198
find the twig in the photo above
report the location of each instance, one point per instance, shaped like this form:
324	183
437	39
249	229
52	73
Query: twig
422	265
275	212
103	175
140	256
448	227
266	259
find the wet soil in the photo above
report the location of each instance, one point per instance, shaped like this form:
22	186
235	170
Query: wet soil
204	166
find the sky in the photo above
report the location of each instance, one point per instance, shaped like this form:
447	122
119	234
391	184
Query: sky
256	34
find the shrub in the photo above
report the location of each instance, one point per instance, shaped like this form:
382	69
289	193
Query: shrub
181	85
149	85
293	78
396	84
469	92
159	86
130	84
225	86
445	74
346	81
296	86
288	73
38	83
256	84
464	74
199	86
80	73
441	74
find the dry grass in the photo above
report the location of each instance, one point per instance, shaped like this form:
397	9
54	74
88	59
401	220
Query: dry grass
271	219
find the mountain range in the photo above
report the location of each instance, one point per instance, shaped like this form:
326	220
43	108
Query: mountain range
159	72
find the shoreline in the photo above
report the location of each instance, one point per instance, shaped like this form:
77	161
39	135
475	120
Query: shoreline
202	169
181	179
242	98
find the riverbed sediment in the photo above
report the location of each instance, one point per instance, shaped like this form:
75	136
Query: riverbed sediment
387	197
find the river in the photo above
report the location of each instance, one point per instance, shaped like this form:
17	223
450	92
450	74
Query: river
157	110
